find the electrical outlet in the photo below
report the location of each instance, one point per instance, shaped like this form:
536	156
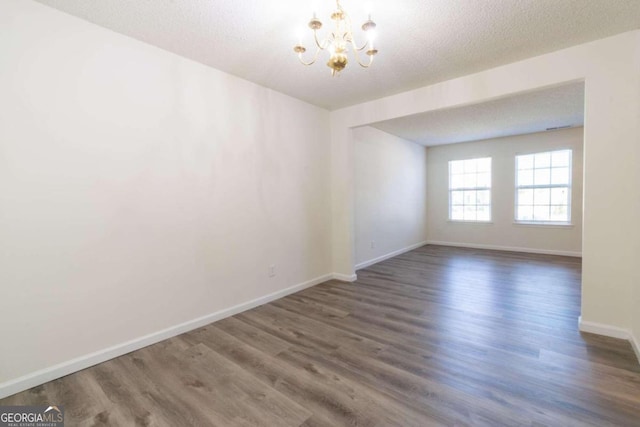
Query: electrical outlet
373	244
272	270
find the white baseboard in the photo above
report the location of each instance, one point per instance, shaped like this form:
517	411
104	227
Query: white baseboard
602	329
49	374
506	248
610	331
389	255
635	343
344	277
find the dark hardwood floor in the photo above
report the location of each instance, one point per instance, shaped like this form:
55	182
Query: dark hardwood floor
437	336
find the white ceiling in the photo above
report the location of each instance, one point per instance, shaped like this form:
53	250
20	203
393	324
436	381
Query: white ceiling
515	115
420	41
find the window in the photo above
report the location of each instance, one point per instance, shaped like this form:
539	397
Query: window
543	187
470	190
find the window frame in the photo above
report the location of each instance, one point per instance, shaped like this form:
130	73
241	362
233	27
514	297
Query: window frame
568	186
476	188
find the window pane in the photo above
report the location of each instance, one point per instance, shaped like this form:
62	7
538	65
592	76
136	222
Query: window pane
484	179
470	197
469	213
525	162
542	177
525	213
457	181
470	166
525	177
559	196
560	175
465	178
525	197
541	213
544	203
469	180
560	158
542	160
484	165
456	167
457	212
483	197
484	213
541	196
559	213
457	197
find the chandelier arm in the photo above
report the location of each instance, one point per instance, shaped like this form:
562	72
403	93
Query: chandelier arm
356	50
351	36
355	47
315	57
323	45
363	65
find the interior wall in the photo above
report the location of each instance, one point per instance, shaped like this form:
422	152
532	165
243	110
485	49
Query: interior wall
502	231
140	190
611	71
635	328
390	194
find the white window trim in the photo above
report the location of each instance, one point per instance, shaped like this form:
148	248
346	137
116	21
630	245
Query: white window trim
549	224
471	221
569	186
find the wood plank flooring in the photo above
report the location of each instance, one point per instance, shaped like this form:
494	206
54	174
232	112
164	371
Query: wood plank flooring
434	337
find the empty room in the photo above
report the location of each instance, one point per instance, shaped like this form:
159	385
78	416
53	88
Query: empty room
328	213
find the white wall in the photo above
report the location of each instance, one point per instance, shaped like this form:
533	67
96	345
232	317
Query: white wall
635	237
502	231
390	194
635	325
140	190
611	70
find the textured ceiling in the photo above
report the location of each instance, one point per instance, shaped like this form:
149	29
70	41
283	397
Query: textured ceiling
515	115
420	41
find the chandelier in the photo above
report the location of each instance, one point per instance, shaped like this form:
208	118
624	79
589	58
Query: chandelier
338	41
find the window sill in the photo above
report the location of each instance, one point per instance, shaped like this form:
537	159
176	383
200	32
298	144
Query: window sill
459	221
544	224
